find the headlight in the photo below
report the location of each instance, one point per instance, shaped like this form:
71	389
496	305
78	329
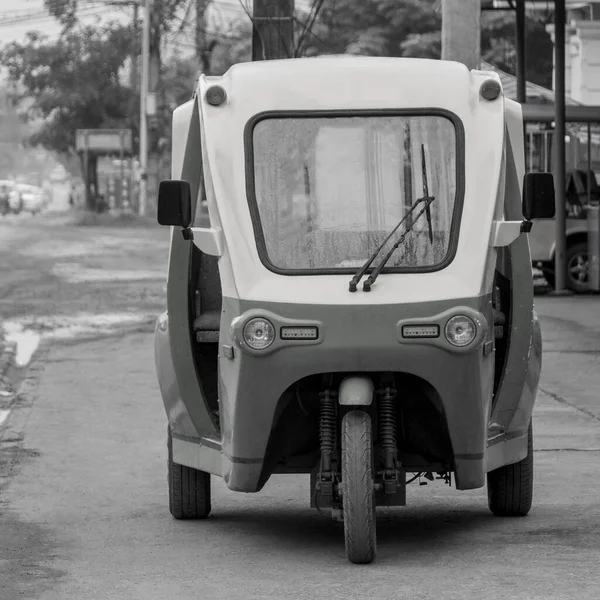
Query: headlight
460	331
259	333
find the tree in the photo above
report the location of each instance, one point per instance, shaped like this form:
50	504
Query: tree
498	44
373	27
412	28
74	84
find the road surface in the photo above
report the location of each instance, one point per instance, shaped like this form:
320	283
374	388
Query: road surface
83	495
84	509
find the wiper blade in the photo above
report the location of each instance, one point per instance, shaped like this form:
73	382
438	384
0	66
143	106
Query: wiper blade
359	274
426	191
428	200
373	276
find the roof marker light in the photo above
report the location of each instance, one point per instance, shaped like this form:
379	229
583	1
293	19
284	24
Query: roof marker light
215	95
490	89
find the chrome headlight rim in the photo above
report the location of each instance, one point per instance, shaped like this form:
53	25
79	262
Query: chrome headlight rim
470	322
269	328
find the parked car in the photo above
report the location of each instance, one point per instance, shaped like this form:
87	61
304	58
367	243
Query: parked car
10	197
542	239
33	198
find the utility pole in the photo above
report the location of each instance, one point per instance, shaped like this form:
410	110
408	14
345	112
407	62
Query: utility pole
203	48
143	107
461	32
272	29
521	53
560	259
133	75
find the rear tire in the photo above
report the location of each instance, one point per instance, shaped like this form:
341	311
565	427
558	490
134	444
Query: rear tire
578	279
510	488
189	489
358	498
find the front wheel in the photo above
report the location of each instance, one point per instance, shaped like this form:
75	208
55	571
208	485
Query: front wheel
510	488
358	492
189	489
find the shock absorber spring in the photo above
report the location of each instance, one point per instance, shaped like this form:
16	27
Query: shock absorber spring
387	426
327	429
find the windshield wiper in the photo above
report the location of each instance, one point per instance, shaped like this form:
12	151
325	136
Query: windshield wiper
359	274
426	198
373	276
426	192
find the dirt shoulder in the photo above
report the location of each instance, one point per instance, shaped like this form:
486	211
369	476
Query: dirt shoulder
53	269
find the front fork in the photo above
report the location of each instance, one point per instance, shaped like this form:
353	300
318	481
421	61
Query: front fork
390	477
387	433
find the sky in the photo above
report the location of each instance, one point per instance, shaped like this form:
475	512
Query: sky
17	17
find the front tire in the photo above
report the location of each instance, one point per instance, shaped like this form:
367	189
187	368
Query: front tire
189	489
510	488
358	496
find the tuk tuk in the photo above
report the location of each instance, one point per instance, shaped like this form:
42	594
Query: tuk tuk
349	292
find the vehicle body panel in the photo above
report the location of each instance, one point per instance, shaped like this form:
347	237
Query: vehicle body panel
359	331
543	237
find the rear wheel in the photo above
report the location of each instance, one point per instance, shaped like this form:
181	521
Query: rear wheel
577	268
510	488
189	489
358	495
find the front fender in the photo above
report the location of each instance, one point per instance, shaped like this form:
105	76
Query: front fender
356	391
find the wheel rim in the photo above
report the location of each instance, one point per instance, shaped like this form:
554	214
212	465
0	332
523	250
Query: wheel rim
578	269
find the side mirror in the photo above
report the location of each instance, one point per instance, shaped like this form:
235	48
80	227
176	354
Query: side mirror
174	203
538	196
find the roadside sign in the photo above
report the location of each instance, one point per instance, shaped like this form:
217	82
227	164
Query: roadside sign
104	140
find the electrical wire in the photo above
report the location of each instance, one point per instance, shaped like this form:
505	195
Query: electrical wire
91	10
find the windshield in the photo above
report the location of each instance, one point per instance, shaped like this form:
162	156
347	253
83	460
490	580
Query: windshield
328	190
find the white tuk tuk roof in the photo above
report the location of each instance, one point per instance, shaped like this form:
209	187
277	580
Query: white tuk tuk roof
348	83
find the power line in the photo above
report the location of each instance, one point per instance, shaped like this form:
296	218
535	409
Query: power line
45	16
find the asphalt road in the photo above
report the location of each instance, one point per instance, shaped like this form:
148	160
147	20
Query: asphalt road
84	509
83	495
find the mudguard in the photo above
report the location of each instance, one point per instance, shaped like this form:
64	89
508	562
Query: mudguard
356	391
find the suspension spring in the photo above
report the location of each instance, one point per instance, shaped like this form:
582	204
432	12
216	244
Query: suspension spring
387	426
327	430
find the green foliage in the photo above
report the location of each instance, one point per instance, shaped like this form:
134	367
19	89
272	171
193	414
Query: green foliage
373	27
412	28
73	81
498	45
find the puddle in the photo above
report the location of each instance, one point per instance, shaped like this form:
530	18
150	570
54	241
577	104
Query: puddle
76	274
26	341
28	332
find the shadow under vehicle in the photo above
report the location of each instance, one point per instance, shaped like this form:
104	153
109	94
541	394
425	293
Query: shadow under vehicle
350	291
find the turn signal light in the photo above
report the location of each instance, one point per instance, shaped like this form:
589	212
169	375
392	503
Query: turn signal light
420	331
299	333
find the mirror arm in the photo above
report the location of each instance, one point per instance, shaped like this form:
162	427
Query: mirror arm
526	226
187	233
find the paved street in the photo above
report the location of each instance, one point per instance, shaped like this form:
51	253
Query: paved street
83	497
